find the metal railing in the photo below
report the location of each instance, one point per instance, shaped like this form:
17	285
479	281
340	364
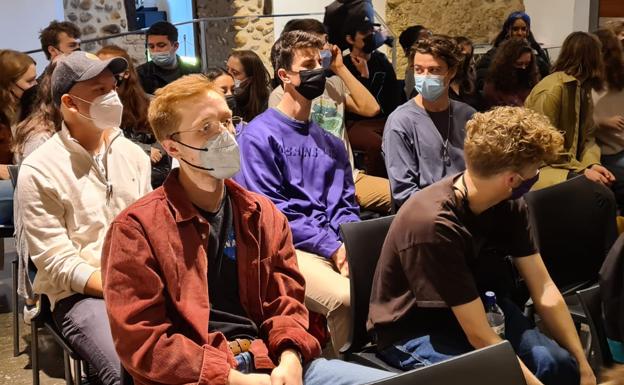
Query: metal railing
203	26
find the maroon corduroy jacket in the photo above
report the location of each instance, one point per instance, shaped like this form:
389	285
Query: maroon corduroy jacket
155	274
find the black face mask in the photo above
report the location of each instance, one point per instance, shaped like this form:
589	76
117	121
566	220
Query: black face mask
312	83
369	44
231	102
523	75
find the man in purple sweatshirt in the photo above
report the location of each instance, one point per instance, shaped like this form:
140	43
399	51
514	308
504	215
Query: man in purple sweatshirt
305	171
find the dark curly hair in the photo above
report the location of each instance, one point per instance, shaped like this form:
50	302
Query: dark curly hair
613	57
440	47
502	72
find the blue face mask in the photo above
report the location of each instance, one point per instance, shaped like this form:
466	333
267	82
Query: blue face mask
431	87
164	59
326	58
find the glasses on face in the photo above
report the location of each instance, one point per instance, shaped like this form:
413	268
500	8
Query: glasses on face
211	129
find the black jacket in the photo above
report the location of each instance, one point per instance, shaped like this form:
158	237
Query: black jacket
612	294
153	77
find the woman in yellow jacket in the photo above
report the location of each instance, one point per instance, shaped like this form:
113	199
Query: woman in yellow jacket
565	98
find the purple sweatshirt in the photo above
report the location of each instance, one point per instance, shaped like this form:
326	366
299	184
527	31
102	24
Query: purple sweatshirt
305	171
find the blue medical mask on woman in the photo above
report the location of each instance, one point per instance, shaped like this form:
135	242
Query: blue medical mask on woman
326	58
431	87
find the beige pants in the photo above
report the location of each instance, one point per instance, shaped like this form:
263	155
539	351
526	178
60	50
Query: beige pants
327	293
372	193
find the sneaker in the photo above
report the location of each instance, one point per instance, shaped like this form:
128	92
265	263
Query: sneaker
30	312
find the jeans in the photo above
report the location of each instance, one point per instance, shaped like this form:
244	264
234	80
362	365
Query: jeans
6	202
550	363
84	323
615	164
322	371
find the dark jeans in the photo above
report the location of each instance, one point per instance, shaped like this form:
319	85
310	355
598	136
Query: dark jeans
615	164
550	363
84	323
6	202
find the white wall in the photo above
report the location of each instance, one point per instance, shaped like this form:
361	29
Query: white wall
21	22
553	20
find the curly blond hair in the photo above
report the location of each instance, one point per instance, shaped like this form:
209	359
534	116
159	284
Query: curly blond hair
509	138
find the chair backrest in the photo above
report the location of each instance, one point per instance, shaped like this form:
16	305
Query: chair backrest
363	242
492	365
13	172
574	226
592	306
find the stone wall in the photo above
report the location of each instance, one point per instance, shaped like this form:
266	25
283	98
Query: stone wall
96	18
245	33
479	20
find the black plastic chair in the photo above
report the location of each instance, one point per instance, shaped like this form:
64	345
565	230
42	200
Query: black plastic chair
44	320
363	242
574	226
493	365
599	354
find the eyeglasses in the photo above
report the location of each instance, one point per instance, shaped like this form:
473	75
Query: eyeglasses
213	128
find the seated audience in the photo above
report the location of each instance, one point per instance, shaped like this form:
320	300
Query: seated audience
17	74
165	65
609	111
342	92
59	38
463	87
68	192
511	76
305	171
407	39
251	83
517	25
436	262
134	122
232	313
424	138
565	98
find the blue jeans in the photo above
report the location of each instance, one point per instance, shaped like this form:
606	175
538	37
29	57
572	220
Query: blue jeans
550	363
322	371
6	202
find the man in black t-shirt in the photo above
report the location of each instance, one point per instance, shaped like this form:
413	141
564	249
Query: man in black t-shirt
448	245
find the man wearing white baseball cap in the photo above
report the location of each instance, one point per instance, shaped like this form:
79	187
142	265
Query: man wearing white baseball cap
69	191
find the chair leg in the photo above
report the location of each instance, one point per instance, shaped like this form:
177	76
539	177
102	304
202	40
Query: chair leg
67	366
77	373
34	352
15	304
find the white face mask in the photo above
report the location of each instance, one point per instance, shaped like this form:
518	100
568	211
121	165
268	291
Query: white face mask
106	110
219	157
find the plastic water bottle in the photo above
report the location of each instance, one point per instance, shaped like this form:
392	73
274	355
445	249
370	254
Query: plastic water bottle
495	316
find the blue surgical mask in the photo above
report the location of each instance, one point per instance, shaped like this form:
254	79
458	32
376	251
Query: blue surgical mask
431	87
164	59
326	58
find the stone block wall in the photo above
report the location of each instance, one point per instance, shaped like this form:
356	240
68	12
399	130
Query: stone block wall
96	18
254	34
479	20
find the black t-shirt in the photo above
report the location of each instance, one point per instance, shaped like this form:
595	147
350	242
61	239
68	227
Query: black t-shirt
226	312
437	255
441	120
381	83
